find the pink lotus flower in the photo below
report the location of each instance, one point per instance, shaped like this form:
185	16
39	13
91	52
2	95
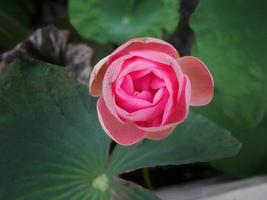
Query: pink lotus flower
145	89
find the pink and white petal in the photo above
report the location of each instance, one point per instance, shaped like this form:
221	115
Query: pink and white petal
159	135
155	128
134	64
124	134
144	43
160	60
202	86
110	76
97	76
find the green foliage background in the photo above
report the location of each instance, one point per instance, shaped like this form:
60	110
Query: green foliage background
231	39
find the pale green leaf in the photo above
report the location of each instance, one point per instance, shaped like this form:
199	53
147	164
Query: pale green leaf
119	20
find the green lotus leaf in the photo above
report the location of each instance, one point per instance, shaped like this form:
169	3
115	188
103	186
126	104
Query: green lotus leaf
119	20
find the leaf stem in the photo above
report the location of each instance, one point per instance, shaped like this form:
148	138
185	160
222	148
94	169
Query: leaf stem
147	179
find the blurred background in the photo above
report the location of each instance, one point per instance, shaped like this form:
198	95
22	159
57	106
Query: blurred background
229	36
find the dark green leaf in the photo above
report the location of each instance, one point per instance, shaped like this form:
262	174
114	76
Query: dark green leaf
231	39
252	158
120	20
51	144
132	192
195	140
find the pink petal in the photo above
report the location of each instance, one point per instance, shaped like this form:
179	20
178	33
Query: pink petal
172	86
142	83
161	60
171	74
124	134
127	85
147	113
140	73
145	44
128	102
170	80
176	115
146	95
159	134
134	64
202	85
169	110
170	71
96	78
156	83
110	76
182	106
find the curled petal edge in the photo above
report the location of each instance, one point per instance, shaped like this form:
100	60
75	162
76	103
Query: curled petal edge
97	76
124	134
202	85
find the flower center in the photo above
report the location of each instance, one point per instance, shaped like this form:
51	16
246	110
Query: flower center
142	85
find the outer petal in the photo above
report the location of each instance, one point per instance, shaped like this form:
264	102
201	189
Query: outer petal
124	134
97	76
202	86
110	76
183	100
144	44
159	135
